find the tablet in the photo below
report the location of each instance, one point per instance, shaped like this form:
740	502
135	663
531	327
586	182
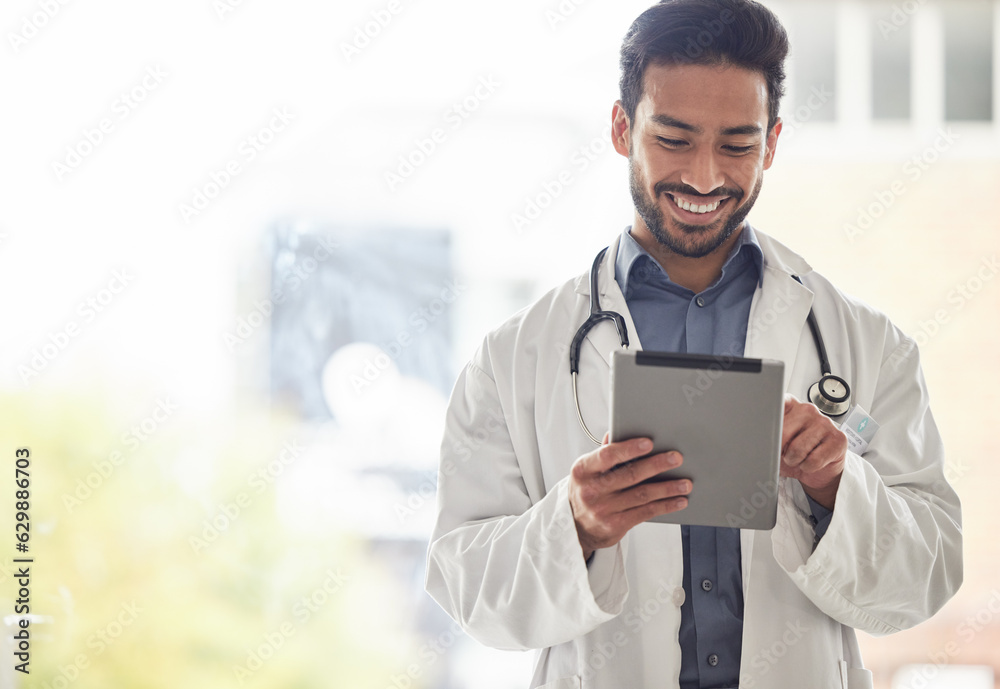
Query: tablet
722	413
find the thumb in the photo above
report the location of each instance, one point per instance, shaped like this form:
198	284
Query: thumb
790	401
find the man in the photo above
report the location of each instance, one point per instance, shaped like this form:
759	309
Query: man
542	542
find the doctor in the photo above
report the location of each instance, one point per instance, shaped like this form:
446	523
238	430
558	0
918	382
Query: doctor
542	540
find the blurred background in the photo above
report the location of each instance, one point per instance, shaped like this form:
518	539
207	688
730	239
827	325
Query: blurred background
246	247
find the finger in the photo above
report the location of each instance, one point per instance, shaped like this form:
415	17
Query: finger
638	515
812	465
595	463
613	454
796	418
827	451
654	491
628	474
790	402
802	444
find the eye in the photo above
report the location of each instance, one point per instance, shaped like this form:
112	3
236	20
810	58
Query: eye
739	149
673	143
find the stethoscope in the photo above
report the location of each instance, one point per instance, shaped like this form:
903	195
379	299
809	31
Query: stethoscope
831	394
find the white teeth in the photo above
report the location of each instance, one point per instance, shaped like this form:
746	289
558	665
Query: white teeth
696	209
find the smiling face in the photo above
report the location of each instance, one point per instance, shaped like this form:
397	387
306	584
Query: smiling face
697	151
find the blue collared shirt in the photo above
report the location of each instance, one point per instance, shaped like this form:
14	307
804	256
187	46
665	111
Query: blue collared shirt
672	318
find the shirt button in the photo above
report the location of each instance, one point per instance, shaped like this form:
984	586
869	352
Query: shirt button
713	660
678	596
700	301
706	585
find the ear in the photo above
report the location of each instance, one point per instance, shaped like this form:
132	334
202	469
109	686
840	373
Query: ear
621	131
772	143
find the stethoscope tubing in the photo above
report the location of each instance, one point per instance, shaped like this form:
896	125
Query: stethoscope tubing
597	315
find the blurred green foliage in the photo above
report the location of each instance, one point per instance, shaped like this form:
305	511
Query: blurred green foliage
128	598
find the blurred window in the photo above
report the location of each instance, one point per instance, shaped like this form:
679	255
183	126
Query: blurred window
813	42
389	287
968	39
891	63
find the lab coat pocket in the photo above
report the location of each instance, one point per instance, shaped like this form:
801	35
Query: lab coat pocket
855	677
564	683
859	678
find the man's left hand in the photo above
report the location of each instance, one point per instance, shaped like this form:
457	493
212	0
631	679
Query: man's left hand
813	450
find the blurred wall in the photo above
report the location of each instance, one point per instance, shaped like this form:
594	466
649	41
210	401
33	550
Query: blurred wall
149	150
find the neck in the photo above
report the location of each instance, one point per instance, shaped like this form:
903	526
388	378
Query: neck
696	274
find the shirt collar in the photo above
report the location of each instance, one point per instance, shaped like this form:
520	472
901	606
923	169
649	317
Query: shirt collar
630	253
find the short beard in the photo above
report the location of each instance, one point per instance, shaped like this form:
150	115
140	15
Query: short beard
652	215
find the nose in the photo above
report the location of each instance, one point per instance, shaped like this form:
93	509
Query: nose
703	172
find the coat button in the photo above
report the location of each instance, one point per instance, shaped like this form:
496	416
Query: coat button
706	585
713	660
678	596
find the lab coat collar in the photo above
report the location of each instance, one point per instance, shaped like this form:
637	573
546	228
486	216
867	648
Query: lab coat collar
777	313
630	252
779	308
780	257
777	257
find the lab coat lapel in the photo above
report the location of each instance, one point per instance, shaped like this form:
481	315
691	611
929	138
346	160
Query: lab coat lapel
604	337
779	308
777	313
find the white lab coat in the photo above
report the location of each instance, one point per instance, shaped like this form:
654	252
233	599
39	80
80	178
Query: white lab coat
505	562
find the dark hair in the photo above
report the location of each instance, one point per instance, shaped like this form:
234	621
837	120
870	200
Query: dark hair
741	33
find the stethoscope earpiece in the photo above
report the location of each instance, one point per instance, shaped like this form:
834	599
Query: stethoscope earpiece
831	394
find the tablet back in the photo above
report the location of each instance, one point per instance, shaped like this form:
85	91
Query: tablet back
723	414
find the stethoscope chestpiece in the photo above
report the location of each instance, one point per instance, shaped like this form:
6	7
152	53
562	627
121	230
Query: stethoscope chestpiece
832	395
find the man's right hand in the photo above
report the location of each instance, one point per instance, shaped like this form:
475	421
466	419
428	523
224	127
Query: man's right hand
606	497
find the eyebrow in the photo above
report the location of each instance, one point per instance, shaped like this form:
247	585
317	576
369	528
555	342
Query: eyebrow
742	130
